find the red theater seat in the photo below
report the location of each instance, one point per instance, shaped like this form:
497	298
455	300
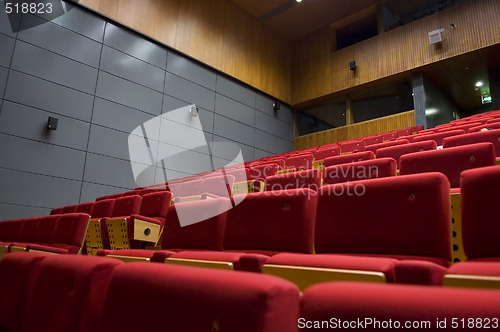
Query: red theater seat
196	225
113	196
69	209
351	146
263	171
326	152
85	208
262	225
404	132
376	306
18	273
451	161
404	218
492	136
464	127
389	136
480	194
437	137
190	299
361	170
349	158
300	162
397	151
56	210
372	140
374	147
494	125
69	232
67	294
310	178
416	129
123	208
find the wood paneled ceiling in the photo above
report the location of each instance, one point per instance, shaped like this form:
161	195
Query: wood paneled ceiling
455	77
292	19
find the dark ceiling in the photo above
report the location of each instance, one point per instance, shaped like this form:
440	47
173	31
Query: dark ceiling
456	76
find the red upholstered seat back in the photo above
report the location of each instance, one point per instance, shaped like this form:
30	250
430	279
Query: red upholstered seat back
397	151
437	137
327	152
397	305
70	229
69	209
399	215
68	294
188	188
112	196
273	220
464	127
56	210
494	125
404	132
451	161
310	178
480	215
29	230
130	193
181	298
126	206
278	160
416	129
492	136
389	136
263	171
12	229
206	234
349	158
361	170
300	162
46	229
373	148
221	185
5	230
373	140
18	271
155	204
103	208
85	208
350	146
240	174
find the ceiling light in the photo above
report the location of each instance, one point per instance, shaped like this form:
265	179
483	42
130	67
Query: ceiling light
299	0
479	84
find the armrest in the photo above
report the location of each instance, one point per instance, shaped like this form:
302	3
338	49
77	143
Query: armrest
46	248
252	262
419	273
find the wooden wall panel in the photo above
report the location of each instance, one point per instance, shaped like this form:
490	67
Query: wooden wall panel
318	71
372	127
215	32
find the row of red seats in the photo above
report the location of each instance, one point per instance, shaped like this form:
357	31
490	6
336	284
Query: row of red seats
62	234
363	165
47	293
399	226
357	218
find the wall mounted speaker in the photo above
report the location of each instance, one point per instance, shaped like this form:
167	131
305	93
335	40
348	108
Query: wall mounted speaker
276	106
52	123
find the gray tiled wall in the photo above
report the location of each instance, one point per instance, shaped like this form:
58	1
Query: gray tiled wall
102	81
